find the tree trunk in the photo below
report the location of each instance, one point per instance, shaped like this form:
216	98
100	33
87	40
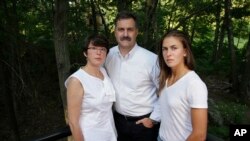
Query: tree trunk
171	16
106	29
221	40
93	18
150	21
245	87
124	5
217	33
61	50
10	65
9	106
229	27
193	29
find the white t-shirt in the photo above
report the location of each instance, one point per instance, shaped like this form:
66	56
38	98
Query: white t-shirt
135	80
176	102
96	119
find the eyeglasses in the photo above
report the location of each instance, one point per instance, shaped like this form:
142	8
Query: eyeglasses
102	49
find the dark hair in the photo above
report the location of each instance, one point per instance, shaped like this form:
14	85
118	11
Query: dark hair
96	40
126	15
165	71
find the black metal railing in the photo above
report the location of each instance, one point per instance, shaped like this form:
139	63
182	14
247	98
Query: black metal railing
56	135
65	132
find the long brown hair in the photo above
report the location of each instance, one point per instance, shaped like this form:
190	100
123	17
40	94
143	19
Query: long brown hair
165	71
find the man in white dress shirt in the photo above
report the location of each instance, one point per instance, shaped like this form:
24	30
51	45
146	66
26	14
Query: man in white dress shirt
134	72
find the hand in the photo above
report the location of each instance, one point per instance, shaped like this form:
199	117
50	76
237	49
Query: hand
147	122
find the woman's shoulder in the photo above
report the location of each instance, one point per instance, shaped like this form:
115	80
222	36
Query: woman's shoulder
72	79
194	79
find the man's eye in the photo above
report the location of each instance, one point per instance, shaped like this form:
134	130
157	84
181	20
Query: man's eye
120	29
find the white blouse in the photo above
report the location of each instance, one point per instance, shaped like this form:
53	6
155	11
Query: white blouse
96	119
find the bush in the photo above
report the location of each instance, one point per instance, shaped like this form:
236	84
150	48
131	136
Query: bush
222	114
231	112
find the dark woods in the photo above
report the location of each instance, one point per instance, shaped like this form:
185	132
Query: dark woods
41	40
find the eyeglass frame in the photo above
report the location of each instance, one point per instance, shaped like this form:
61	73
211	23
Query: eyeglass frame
101	49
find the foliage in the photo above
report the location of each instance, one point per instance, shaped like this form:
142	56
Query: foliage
219	131
214	114
226	113
27	46
232	112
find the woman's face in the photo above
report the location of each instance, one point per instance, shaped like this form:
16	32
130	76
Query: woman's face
173	52
96	55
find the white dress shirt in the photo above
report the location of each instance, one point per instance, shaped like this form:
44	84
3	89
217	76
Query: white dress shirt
135	79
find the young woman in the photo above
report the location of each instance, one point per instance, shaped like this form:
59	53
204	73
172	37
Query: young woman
183	95
90	95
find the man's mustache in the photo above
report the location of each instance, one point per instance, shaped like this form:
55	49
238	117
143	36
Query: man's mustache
126	38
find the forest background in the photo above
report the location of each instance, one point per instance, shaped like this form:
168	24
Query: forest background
41	41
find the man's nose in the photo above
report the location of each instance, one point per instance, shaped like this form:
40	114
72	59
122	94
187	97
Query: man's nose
125	33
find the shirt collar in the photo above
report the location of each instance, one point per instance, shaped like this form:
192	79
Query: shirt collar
131	52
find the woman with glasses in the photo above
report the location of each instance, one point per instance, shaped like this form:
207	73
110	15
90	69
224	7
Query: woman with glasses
90	95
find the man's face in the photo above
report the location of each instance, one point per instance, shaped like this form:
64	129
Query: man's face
126	33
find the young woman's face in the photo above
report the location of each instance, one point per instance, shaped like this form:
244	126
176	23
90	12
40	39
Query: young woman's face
96	55
173	52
